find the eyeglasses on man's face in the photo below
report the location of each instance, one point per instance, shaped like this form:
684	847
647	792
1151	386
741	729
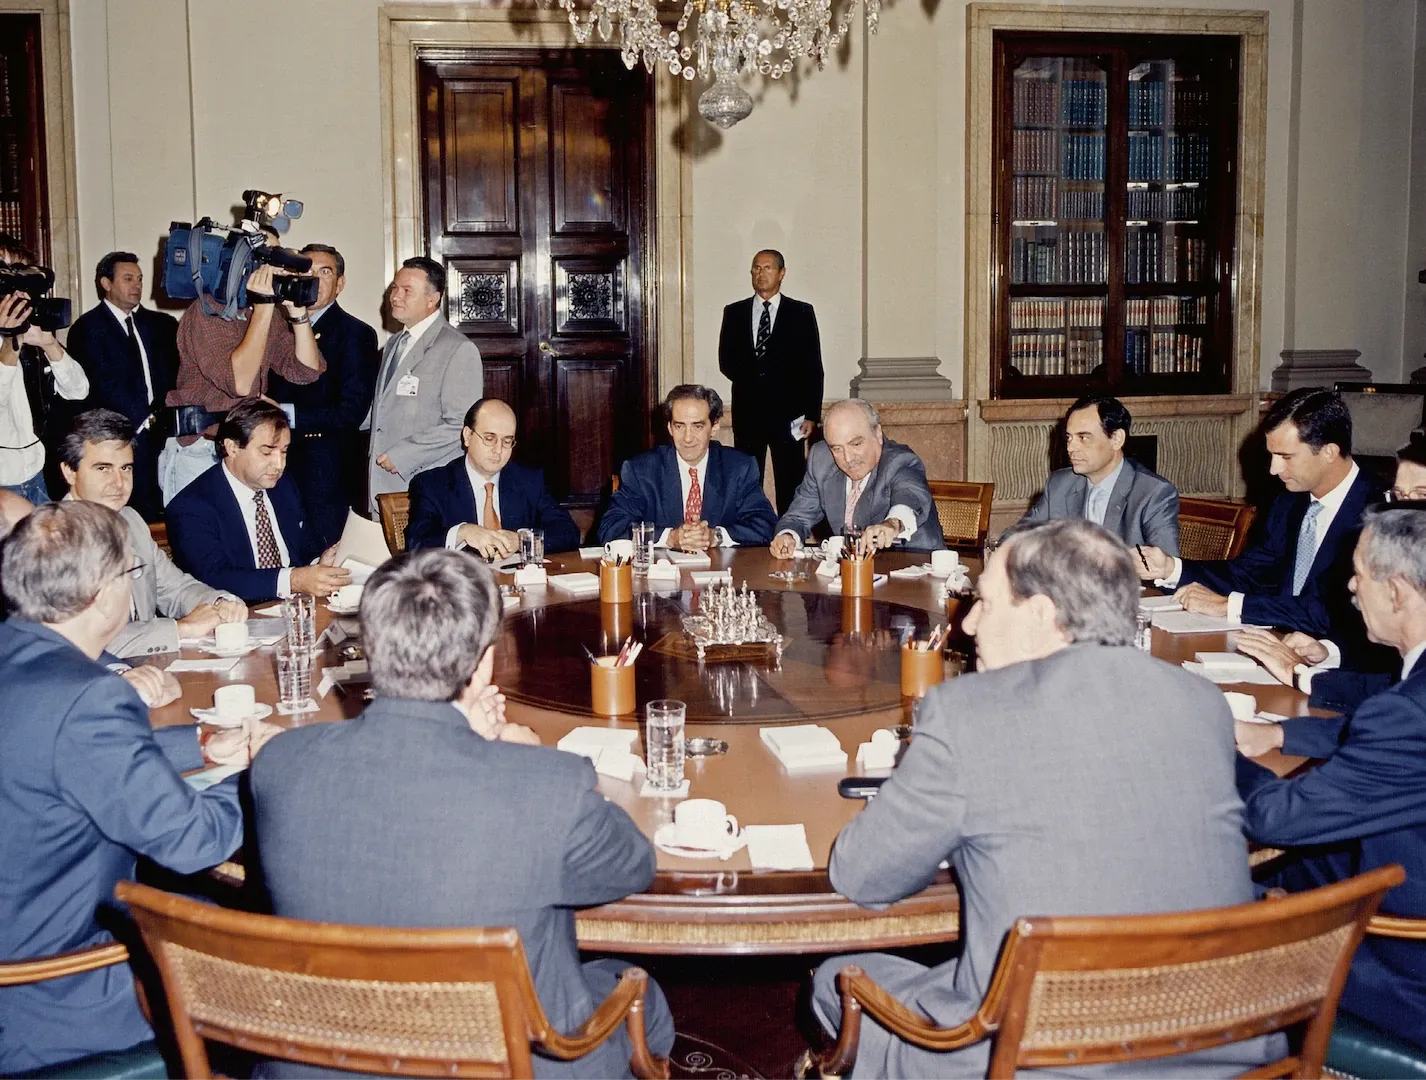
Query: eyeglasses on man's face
1397	494
492	440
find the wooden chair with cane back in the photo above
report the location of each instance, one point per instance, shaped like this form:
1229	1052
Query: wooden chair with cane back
1211	529
1084	991
143	1060
963	508
159	531
368	999
395	508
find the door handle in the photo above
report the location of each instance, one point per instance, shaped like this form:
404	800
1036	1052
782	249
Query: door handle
546	348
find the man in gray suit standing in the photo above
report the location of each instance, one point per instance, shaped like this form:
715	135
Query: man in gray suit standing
1073	775
166	605
858	479
430	373
457	820
1103	486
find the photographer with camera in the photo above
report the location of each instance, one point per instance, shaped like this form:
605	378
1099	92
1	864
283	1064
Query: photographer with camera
221	361
35	373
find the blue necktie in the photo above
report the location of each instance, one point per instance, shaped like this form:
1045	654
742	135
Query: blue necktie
1306	547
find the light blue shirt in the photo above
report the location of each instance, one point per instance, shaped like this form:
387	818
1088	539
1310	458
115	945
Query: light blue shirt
1096	500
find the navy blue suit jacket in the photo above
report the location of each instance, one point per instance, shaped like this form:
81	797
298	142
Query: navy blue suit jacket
341	396
1364	807
210	540
85	788
1263	572
650	490
443	497
101	346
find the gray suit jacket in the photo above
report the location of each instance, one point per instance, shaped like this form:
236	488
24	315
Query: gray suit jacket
162	594
1143	507
899	479
421	431
1052	791
445	828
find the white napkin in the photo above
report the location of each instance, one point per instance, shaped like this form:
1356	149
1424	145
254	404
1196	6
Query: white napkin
711	577
1159	603
590	741
804	746
778	847
663	570
272	611
619	764
582	584
596	552
531	575
911	573
828	568
1256	677
219	664
508	602
689	559
880	753
1226	661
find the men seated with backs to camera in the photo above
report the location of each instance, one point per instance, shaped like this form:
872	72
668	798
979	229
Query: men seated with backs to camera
1365	805
461	819
858	479
1295	576
166	605
1101	485
1045	801
480	499
86	784
697	492
241	525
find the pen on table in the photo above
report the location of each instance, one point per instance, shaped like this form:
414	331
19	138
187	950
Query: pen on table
1140	549
589	653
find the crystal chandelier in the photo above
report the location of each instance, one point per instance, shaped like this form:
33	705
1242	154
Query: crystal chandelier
732	37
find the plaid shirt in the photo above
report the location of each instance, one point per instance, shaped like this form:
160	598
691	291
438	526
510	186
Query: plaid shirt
205	367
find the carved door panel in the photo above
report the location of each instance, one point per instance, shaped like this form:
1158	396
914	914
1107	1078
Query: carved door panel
536	169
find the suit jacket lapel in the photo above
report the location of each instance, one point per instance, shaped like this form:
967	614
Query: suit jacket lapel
670	482
228	498
1119	499
1349	516
512	500
714	488
1076	496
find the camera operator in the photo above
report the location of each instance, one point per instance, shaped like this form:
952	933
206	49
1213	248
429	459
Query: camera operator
222	361
35	373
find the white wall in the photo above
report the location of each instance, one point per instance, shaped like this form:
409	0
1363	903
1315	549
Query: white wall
855	172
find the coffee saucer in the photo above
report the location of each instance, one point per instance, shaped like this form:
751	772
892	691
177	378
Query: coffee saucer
664	841
211	717
342	609
229	654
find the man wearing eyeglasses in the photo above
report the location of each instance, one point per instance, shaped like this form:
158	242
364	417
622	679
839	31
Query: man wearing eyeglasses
480	499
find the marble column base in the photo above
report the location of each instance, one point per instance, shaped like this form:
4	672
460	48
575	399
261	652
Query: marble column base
1318	367
901	378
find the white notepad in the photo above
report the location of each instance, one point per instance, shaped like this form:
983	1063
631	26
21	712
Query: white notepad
778	847
1159	603
1192	622
804	746
689	560
217	665
583	584
590	740
1255	676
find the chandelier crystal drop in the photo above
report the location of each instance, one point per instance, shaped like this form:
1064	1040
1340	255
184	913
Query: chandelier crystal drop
729	38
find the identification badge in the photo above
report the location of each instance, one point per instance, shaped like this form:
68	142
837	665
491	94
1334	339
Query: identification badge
407	385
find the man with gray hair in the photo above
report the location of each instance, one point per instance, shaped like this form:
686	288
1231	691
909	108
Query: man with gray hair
859	480
86	785
1051	790
455	821
1366	805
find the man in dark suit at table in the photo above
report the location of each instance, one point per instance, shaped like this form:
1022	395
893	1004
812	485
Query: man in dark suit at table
1365	806
86	785
1295	576
458	820
480	500
697	492
131	357
1101	485
326	415
240	527
770	349
859	479
1045	801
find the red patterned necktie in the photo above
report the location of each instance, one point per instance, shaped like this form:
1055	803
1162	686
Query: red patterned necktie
693	510
268	557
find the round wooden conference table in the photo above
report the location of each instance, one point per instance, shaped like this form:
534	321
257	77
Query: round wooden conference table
840	667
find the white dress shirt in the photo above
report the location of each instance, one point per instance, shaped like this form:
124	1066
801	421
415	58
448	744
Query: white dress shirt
774	301
1331	503
1096	499
1411	659
415	331
685	481
22	455
477	485
123	317
248	506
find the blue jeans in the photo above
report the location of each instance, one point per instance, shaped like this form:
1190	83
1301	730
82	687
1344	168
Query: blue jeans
33	489
179	466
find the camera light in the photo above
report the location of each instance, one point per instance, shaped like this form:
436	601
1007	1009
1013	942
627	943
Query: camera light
272	205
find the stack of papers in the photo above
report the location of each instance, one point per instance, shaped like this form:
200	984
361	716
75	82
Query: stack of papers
218	665
711	577
582	584
689	559
360	571
805	746
1255	676
778	847
362	542
1159	603
609	750
1191	622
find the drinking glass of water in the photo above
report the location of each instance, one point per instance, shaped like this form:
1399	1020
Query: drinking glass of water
299	612
644	533
1144	631
663	740
294	678
532	546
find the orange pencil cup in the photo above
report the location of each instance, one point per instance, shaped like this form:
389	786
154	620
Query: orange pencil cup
856	576
858	615
920	670
616	583
611	688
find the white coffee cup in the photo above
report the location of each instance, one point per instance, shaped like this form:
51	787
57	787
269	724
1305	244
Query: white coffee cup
832	546
234	702
619	549
943	563
703	823
1242	706
348	596
230	636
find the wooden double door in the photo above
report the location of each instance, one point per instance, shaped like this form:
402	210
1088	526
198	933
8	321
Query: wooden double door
537	172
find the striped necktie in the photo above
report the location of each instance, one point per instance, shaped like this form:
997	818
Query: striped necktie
393	358
764	330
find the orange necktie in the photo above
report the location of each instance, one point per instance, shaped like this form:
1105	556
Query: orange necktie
492	518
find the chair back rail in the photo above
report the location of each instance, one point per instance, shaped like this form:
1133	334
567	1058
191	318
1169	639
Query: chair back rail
395	508
1212	529
963	508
